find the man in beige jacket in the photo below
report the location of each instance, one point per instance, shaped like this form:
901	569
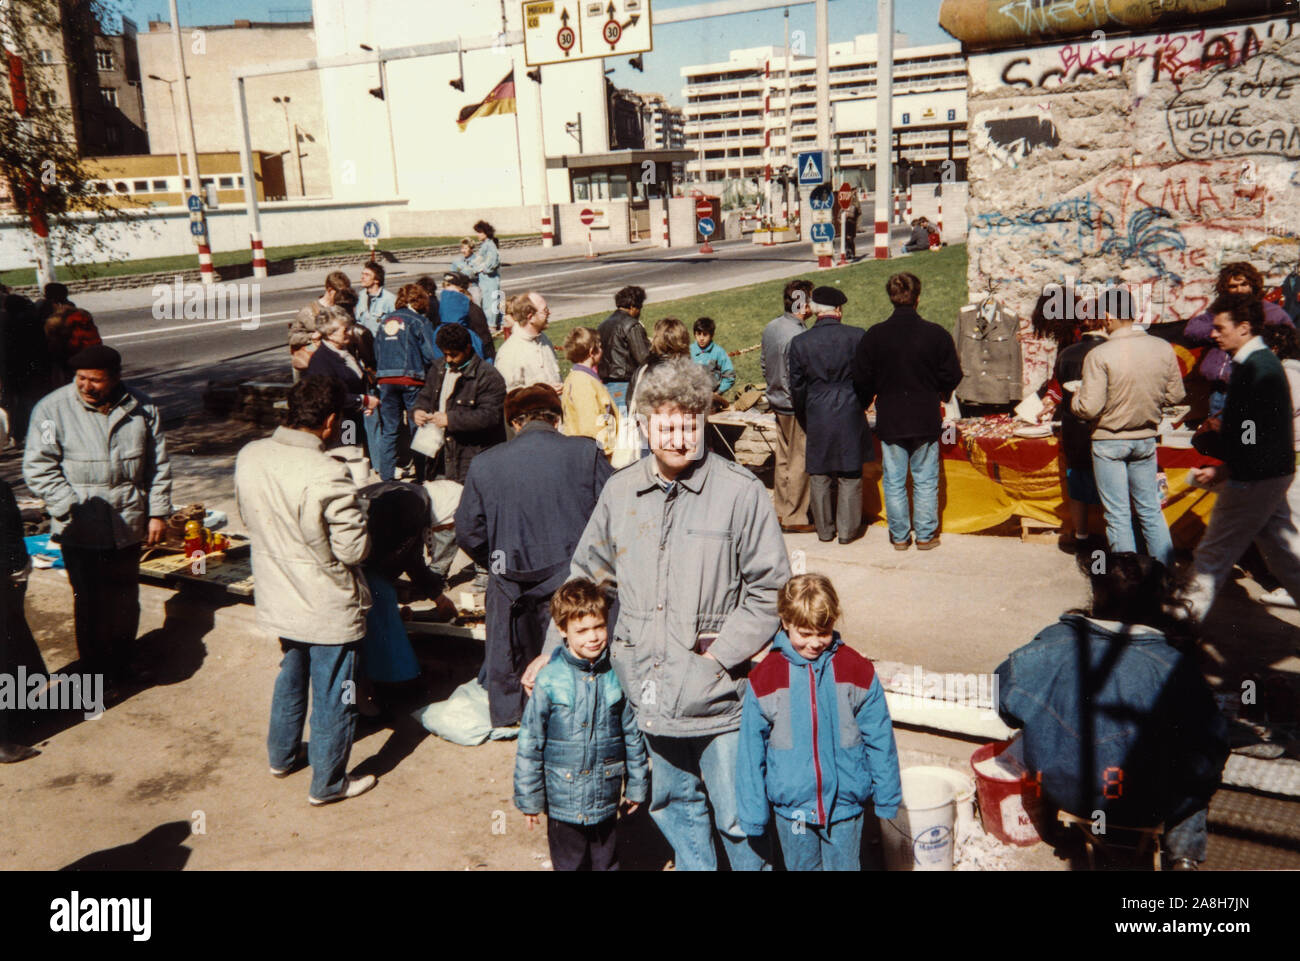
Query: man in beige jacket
308	539
1125	383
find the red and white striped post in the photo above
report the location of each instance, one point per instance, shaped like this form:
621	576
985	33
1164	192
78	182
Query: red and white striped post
882	240
205	264
938	192
666	241
548	236
259	256
908	218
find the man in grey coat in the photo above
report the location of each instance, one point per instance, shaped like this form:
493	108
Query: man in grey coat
790	481
308	540
96	455
690	547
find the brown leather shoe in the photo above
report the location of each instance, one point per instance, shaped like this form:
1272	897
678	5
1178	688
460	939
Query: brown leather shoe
929	545
901	545
798	528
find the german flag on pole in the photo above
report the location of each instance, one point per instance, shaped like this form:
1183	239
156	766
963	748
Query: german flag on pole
500	100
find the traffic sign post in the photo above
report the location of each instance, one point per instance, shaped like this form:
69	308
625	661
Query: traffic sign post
811	167
822	200
704	223
563	31
588	217
370	231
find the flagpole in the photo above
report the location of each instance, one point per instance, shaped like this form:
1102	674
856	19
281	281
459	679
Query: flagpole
519	155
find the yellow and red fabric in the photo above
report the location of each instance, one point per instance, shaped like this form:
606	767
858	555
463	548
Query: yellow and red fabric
500	100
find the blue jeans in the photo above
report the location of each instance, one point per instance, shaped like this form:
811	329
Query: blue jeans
688	775
393	400
922	459
327	668
808	847
618	391
1124	470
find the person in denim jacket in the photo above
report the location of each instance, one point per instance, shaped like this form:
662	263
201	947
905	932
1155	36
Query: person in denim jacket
816	739
578	740
1115	718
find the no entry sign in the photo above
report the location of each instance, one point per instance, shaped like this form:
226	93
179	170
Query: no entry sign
588	217
703	208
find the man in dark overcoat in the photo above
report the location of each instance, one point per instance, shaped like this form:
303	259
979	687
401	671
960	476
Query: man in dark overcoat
833	417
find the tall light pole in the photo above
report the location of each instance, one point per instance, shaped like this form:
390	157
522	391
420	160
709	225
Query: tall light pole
382	94
292	134
884	123
176	129
192	152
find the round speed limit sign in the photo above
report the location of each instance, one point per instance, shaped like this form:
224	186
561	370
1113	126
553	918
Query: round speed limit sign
612	32
565	39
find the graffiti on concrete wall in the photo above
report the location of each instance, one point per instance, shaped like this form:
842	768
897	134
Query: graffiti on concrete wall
1249	110
1178	57
1010	139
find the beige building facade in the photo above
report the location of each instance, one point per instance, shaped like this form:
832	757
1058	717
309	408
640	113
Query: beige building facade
286	115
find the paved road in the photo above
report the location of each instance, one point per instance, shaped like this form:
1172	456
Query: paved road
174	357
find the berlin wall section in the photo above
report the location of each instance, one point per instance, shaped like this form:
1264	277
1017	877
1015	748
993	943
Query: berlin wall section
1147	160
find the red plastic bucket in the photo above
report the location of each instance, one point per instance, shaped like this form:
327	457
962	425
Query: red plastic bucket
1008	807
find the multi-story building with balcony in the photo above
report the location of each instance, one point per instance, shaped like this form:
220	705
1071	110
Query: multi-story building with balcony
736	110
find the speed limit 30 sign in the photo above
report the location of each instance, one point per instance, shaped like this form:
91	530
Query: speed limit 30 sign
562	31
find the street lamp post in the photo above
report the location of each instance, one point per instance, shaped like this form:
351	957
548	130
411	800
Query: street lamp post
290	131
176	127
196	183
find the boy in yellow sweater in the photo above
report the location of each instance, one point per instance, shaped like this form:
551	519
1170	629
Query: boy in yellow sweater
588	408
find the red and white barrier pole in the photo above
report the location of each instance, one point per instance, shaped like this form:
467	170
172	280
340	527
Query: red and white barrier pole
548	237
590	252
666	240
259	256
205	264
939	216
882	240
908	218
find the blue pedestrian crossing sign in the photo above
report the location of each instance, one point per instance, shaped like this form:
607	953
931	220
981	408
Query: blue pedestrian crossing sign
821	198
706	226
811	167
196	203
371	230
823	233
196	228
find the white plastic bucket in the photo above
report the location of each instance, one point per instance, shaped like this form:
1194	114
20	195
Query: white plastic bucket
920	837
963	786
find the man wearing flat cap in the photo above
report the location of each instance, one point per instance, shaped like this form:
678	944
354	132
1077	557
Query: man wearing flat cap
455	303
838	442
96	455
523	510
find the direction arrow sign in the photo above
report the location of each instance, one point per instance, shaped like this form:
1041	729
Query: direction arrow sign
822	198
845	196
706	226
823	233
562	31
195	203
811	166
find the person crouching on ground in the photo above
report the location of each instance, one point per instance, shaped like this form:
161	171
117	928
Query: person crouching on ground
308	540
568	765
1115	718
818	785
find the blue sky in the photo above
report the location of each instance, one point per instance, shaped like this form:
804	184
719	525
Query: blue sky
676	45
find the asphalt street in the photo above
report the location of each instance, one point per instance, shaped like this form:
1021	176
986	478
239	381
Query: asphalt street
174	357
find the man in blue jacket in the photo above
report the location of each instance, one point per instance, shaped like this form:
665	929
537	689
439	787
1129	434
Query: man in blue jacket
524	507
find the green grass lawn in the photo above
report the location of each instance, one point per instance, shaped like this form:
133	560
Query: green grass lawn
741	313
15	278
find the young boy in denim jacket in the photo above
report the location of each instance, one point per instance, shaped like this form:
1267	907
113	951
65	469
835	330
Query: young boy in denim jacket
816	740
578	740
712	357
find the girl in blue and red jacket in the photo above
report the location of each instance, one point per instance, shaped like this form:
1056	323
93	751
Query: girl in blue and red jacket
816	740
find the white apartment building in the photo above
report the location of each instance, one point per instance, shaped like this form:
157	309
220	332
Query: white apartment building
735	106
664	124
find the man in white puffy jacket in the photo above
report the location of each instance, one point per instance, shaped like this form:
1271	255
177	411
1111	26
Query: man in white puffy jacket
96	455
308	540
